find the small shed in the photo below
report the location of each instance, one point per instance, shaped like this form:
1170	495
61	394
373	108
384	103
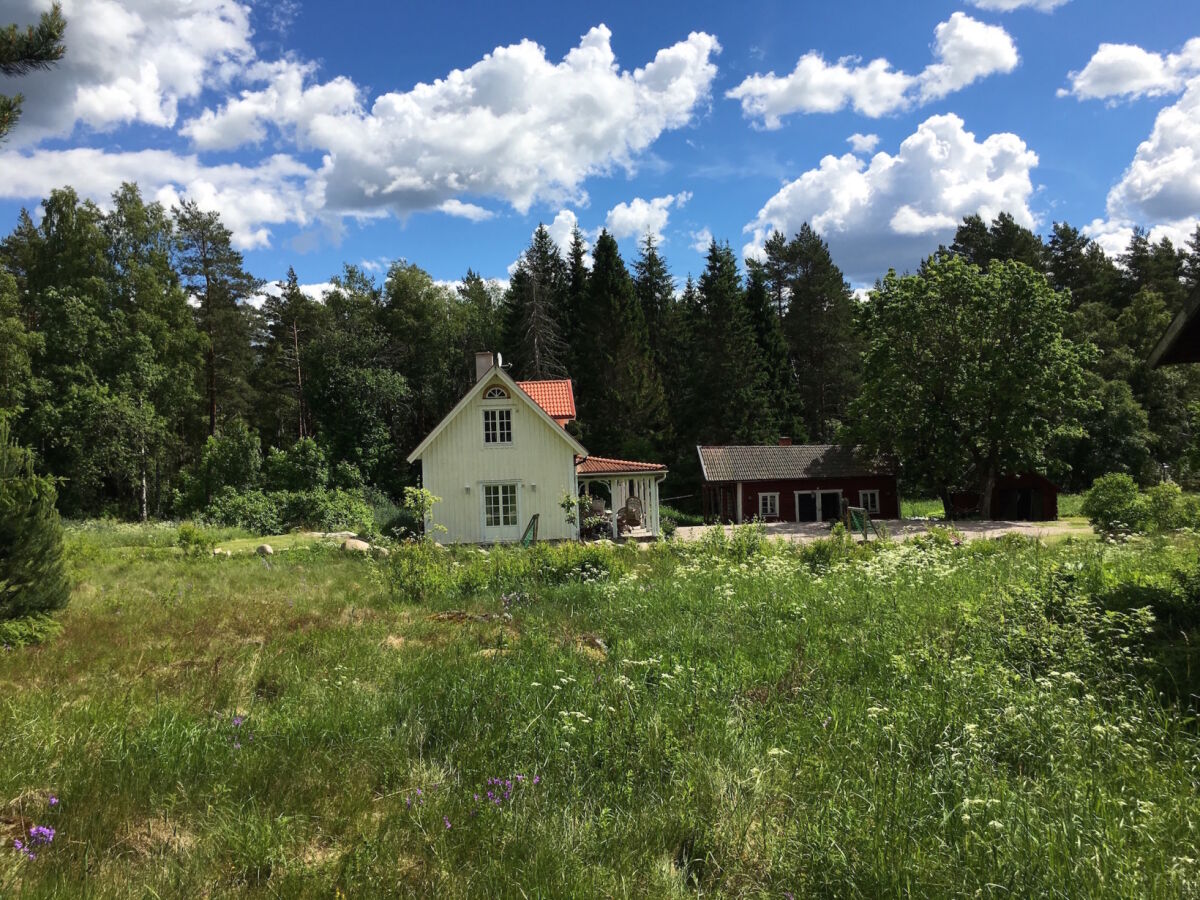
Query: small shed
1028	497
788	482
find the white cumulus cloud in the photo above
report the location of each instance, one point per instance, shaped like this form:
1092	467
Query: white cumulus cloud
863	143
1126	71
1161	187
132	61
896	209
965	50
515	126
249	198
640	217
701	240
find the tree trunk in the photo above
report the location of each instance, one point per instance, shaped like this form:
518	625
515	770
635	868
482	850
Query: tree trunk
947	504
299	380
143	512
986	488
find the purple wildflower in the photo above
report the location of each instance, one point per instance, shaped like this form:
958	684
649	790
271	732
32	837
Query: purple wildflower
447	821
537	779
237	721
237	745
53	800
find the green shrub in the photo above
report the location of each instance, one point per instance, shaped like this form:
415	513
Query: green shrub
252	510
1113	505
27	631
1162	507
32	576
194	540
302	467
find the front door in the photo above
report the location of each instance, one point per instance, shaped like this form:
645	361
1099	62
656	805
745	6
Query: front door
806	506
831	506
501	519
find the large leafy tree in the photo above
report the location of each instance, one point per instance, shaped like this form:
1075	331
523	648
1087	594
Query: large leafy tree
25	50
17	349
967	373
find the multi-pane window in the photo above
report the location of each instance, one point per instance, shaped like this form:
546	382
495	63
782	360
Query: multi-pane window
499	505
496	393
768	506
869	500
497	426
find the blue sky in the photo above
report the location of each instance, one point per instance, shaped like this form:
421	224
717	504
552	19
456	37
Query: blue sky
365	132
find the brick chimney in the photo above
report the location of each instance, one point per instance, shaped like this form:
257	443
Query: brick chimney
785	442
484	360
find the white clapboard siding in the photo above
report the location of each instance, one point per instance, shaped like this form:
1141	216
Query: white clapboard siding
457	463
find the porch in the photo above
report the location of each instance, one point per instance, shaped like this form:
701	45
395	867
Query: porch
632	509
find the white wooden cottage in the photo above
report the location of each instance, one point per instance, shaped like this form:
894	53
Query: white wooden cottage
503	455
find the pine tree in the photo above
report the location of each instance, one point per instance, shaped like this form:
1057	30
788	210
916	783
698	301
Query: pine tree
213	273
819	324
21	52
535	315
779	377
32	577
292	320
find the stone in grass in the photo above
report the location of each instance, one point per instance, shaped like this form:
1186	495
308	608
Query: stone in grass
264	550
353	545
219	552
380	552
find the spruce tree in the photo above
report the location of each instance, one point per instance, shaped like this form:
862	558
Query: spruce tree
779	377
655	290
535	316
731	397
32	577
291	321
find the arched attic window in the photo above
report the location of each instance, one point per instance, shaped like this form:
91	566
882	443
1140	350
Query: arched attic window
496	393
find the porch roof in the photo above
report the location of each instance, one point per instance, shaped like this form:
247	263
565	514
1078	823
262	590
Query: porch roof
602	465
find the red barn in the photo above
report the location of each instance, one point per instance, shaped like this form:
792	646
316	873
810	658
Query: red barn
793	483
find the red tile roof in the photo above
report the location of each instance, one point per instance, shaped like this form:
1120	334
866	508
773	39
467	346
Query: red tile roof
599	465
556	397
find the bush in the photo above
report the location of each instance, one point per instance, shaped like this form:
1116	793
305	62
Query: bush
274	512
194	540
302	467
32	577
1113	505
1162	507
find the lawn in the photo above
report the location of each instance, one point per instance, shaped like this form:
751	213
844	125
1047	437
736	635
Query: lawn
730	718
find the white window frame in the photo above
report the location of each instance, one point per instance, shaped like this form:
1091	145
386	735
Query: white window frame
494	419
773	496
498	487
496	393
862	501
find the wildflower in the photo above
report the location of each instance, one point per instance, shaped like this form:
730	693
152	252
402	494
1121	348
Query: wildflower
53	800
447	821
237	721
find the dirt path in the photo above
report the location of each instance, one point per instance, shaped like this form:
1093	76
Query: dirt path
904	529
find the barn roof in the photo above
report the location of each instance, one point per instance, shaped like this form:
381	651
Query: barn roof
770	462
556	397
602	465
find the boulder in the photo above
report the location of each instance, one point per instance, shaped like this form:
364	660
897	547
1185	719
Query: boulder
219	552
380	552
353	545
264	550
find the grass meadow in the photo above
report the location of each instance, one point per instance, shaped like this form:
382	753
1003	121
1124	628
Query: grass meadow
730	718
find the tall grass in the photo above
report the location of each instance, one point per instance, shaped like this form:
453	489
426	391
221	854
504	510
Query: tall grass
734	718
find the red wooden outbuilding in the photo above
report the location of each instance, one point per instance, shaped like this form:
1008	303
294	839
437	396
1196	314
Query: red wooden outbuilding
788	482
1028	497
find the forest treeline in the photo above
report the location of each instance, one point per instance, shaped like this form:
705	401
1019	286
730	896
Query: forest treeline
135	365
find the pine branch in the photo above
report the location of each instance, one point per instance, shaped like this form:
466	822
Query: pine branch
37	47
